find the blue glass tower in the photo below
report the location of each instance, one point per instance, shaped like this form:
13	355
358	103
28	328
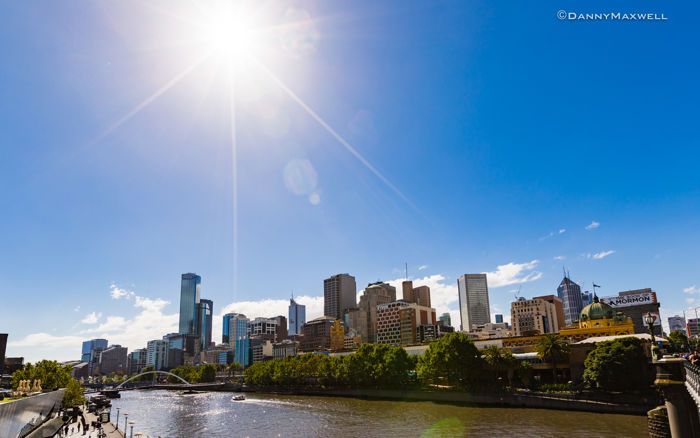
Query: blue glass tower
205	310
190	288
226	329
92	346
297	317
570	295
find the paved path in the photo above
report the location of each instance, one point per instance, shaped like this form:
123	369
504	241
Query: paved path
109	428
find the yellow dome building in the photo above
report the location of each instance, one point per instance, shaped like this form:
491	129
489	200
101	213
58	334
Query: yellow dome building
599	319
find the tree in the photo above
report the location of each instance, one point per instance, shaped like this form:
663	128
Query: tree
453	358
678	341
501	361
618	365
52	374
207	373
74	394
554	349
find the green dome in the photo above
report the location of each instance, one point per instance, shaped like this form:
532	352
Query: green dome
597	310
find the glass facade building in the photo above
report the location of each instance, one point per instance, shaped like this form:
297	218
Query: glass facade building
226	328
571	298
190	288
241	354
92	348
473	296
205	310
297	317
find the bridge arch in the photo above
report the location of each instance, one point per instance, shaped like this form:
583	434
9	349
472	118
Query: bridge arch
153	372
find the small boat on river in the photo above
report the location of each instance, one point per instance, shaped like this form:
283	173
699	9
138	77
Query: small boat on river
238	397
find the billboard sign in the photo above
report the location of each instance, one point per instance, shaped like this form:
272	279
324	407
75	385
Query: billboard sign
657	321
630	300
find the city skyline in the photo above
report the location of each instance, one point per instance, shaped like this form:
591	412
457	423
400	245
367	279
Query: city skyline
383	134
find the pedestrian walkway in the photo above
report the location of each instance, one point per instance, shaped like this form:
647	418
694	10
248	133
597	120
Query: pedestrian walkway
110	430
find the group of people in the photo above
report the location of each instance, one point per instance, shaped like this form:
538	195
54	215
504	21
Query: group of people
693	358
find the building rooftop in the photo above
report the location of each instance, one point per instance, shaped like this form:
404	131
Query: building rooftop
642	336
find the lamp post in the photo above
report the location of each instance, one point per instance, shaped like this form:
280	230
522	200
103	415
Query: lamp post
126	419
131	423
650	319
118	418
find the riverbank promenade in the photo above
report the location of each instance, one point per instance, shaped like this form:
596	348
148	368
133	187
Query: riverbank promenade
109	428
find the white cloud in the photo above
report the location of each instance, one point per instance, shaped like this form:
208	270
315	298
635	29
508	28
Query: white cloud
593	225
117	292
562	230
422	267
560	257
91	318
443	295
692	289
600	255
77	309
690	300
47	340
513	273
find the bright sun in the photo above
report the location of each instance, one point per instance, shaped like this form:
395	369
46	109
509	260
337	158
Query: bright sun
233	30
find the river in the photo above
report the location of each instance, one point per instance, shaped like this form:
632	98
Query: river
214	414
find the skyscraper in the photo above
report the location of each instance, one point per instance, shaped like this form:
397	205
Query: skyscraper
499	318
446	319
190	288
473	293
339	293
570	295
374	295
91	350
297	317
419	295
205	312
226	328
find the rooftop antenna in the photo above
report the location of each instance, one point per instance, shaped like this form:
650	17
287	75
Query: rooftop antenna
406	263
517	294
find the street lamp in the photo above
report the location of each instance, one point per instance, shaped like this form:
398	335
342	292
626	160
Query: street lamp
131	423
118	418
126	418
649	318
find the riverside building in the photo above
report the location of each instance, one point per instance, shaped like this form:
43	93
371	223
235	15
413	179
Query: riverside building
398	323
539	315
473	293
297	317
570	295
339	293
636	304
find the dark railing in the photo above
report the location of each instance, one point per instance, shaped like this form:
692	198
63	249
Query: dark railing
692	383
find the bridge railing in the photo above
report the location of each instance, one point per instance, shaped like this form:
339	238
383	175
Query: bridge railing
692	383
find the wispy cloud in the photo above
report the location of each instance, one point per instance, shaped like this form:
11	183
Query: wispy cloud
593	225
422	267
91	318
560	257
692	290
559	232
562	230
513	273
600	255
117	292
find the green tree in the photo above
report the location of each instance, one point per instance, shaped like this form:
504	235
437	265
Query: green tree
678	341
553	349
52	374
618	365
74	394
501	362
207	373
453	358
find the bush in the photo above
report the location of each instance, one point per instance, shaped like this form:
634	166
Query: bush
618	365
556	387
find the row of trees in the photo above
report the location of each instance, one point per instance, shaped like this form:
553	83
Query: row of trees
454	361
195	374
53	376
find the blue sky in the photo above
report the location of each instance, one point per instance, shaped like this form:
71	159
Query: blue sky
490	128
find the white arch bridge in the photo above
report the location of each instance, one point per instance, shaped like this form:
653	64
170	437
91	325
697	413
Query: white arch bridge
151	372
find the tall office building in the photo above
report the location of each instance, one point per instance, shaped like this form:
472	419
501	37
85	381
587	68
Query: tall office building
157	354
92	348
339	293
539	315
676	323
205	313
636	304
693	327
137	360
113	360
297	317
446	319
419	295
190	288
3	348
473	293
225	328
586	299
570	295
373	295
499	318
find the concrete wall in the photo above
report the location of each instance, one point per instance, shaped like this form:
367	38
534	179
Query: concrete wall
19	417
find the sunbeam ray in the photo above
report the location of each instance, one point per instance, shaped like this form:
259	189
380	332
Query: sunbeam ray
150	99
350	148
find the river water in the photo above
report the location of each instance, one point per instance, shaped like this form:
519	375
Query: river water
170	414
